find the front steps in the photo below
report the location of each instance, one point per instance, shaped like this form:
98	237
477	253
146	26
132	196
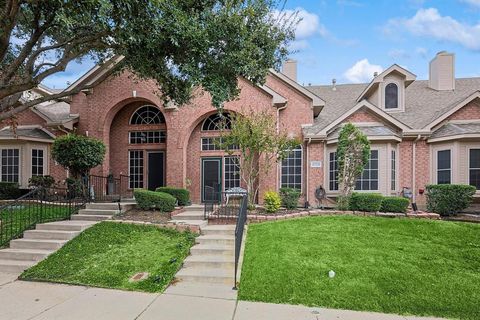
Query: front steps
193	215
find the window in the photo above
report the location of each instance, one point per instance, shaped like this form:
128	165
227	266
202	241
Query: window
217	122
214	144
333	171
444	167
391	96
369	178
292	169
393	182
147	115
137	137
10	165
37	162
136	169
232	172
474	168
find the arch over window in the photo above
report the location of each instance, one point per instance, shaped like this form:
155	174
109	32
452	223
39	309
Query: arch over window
147	115
217	122
391	96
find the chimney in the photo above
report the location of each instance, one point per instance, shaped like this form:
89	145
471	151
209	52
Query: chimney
442	72
290	69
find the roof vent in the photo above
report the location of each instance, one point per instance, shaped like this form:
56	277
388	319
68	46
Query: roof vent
334	84
375	74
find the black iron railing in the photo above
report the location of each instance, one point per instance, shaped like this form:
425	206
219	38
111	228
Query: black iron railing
223	205
239	228
108	188
38	206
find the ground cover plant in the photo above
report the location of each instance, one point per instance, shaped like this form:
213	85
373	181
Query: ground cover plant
109	254
401	266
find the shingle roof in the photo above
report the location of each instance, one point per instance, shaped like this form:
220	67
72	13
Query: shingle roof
452	129
36	133
56	111
375	131
422	104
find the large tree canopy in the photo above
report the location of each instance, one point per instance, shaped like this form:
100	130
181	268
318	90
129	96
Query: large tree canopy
182	44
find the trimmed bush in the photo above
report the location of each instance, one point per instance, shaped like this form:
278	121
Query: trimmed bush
182	195
394	204
147	199
9	190
343	203
289	197
448	199
41	181
272	201
367	202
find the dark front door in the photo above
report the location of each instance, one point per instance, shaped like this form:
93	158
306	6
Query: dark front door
156	165
211	178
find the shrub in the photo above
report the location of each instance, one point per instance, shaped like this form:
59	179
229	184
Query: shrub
272	201
182	195
289	197
447	199
394	204
41	181
9	190
367	202
343	203
162	201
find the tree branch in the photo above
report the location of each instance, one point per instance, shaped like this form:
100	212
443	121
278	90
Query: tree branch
7	24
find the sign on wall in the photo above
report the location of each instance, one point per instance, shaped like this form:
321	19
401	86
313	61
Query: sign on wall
315	164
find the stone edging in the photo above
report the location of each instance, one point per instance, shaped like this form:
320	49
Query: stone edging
181	227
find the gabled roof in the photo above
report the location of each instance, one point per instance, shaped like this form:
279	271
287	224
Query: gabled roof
374	132
409	78
27	133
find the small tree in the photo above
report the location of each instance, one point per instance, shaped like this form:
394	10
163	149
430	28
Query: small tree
78	153
353	151
260	144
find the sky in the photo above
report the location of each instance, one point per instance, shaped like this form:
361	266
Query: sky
349	40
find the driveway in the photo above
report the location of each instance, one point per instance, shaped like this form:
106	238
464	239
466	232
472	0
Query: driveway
21	300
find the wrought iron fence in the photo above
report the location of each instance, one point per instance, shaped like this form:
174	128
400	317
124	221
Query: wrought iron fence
223	205
239	229
109	188
38	206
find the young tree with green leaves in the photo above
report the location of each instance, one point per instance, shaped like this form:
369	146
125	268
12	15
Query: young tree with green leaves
353	151
260	144
182	44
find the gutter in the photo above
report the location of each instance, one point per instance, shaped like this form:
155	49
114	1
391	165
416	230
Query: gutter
307	172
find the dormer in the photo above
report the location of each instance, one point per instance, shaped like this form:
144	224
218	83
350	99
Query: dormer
387	89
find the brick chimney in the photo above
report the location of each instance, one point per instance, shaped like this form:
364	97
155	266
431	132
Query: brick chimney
442	72
289	69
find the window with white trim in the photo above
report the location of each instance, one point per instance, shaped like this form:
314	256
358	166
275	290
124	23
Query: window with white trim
217	122
37	162
333	171
215	144
292	170
474	168
393	181
135	169
147	115
151	136
232	172
368	180
391	96
10	163
444	167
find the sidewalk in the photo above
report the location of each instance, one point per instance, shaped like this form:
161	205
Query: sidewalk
21	300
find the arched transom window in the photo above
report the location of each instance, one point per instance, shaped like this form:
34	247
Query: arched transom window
217	122
391	96
147	115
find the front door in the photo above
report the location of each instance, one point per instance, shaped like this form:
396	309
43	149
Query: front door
211	178
156	165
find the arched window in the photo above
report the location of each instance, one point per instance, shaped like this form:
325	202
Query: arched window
391	96
292	169
217	122
147	115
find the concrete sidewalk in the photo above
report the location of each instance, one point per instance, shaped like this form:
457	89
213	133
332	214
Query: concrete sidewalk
21	300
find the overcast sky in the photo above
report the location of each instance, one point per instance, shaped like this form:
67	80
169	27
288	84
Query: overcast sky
351	39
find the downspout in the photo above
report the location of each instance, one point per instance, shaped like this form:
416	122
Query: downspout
307	171
278	131
414	156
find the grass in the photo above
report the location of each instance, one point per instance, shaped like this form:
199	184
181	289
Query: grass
108	254
402	266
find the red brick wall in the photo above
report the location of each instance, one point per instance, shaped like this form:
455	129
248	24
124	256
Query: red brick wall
316	175
469	112
363	115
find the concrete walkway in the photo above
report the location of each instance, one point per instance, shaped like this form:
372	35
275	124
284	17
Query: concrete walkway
21	300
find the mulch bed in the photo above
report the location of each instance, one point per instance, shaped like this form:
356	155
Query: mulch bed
151	216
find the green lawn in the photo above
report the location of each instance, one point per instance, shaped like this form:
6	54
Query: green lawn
400	266
108	254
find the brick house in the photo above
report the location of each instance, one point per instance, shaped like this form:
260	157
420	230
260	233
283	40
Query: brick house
422	131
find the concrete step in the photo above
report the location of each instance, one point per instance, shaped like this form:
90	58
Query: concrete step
23	254
219	229
90	217
50	234
200	223
37	244
216	291
204	249
67	225
210	261
15	266
110	206
99	212
216	239
206	275
188	216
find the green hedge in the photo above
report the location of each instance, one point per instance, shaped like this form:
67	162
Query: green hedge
367	202
447	199
394	204
182	195
9	190
154	200
289	197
